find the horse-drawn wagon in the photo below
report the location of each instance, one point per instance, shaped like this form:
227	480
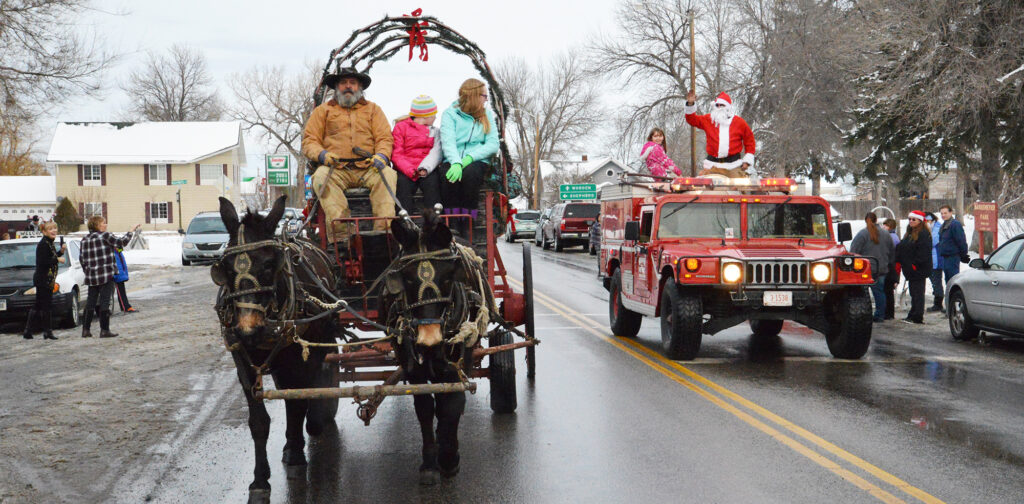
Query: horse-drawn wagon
413	302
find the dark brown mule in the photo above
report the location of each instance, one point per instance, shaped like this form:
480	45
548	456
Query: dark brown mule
264	282
431	290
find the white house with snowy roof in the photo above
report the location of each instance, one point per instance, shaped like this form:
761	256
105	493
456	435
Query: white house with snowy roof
131	173
23	197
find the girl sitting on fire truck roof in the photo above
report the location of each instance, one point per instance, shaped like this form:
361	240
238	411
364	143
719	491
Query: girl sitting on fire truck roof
654	153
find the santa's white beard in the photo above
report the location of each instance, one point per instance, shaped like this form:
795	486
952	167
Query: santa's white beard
347	100
722	115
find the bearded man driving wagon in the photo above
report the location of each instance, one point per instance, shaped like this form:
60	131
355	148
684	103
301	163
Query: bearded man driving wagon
334	129
727	136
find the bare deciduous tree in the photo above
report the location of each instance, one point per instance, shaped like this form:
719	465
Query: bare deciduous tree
275	106
45	55
15	150
553	109
173	87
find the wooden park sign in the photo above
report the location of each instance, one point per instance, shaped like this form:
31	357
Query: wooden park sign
986	219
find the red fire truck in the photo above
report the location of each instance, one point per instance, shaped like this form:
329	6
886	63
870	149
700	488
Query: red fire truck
706	254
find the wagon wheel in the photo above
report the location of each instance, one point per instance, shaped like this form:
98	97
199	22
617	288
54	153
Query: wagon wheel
502	368
531	351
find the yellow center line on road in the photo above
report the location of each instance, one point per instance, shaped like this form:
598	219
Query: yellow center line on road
659	363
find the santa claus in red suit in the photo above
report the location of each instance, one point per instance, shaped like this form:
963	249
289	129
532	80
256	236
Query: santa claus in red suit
727	136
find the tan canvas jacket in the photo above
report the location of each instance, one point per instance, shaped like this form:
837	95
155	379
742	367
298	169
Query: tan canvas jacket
337	129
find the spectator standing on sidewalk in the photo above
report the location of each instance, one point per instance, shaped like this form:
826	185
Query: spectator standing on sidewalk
98	258
47	258
120	278
892	279
914	255
936	276
952	243
874	243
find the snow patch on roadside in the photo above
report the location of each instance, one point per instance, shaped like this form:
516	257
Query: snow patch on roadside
164	250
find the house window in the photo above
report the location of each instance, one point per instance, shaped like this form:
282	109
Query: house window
210	174
158	173
91	209
92	175
158	213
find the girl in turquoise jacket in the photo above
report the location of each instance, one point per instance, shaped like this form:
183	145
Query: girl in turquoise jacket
469	138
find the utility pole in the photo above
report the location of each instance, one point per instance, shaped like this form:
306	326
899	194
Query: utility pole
693	87
536	168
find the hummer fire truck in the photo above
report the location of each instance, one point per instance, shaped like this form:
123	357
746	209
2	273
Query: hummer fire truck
706	254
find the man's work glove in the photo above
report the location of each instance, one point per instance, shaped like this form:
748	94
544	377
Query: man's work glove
965	258
466	160
329	158
454	173
379	161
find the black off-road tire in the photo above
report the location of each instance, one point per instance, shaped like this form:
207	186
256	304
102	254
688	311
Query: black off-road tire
623	321
766	328
849	324
502	369
559	246
960	324
682	320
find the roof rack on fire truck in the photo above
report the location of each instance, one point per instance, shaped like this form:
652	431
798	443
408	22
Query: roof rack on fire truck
711	184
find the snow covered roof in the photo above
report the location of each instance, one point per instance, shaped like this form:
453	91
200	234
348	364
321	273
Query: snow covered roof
145	142
583	168
28	190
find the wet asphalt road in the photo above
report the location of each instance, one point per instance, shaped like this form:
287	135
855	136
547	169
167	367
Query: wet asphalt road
920	419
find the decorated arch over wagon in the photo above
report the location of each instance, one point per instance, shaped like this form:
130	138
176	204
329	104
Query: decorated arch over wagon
392	35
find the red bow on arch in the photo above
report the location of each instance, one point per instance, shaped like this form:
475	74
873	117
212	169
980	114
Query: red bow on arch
417	36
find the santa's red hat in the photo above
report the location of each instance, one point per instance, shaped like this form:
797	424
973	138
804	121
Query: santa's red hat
916	214
723	99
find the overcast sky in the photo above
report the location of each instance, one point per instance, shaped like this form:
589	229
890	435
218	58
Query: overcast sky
236	36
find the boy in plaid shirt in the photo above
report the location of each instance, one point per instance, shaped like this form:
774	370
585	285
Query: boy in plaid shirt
100	264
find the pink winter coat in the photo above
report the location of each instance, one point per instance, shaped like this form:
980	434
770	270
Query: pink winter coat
657	161
413	141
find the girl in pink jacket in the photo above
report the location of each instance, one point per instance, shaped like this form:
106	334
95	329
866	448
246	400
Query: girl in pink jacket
416	154
654	154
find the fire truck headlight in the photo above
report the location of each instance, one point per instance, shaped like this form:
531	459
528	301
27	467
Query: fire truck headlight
821	272
732	272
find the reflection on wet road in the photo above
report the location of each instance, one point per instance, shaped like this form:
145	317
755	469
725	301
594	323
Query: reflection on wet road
919	419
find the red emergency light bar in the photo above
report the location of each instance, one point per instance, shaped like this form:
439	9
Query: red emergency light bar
681	184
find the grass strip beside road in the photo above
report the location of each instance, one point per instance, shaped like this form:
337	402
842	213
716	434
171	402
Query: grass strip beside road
691	379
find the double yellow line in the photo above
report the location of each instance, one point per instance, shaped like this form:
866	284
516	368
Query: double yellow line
693	381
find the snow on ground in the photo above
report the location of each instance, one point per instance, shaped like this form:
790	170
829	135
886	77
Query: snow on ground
164	250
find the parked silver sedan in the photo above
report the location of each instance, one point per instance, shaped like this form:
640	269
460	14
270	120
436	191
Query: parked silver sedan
989	295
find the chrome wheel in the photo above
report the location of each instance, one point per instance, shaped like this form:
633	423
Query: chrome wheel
957	319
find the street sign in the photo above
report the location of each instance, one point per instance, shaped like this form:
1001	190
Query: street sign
278	170
577	195
179	182
577	191
986	220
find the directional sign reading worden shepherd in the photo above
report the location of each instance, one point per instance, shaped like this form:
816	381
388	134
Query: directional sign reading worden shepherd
278	171
577	191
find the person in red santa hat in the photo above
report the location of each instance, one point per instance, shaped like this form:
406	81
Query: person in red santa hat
727	136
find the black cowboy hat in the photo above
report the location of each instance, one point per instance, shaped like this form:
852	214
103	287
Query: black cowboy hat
332	80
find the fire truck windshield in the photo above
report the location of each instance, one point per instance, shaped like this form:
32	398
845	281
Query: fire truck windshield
790	220
699	220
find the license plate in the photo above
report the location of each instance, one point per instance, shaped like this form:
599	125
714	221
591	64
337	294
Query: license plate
3	304
778	298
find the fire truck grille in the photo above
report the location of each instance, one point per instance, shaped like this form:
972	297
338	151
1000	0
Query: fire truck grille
775	273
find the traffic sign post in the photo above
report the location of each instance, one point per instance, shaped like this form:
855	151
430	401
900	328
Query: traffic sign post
577	191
